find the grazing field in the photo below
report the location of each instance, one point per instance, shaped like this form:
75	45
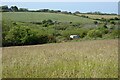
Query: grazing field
94	16
85	59
39	16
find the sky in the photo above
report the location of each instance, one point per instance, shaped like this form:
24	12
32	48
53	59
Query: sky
105	7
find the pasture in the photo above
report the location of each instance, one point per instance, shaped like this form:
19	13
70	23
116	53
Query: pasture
39	16
95	16
85	59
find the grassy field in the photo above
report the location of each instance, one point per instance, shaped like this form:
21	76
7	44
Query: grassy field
94	16
0	62
85	59
37	17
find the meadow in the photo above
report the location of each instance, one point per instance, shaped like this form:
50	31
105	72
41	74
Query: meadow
85	59
95	16
37	45
40	16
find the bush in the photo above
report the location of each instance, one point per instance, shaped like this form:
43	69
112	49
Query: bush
23	35
103	29
94	33
115	33
48	22
116	18
19	35
112	22
95	22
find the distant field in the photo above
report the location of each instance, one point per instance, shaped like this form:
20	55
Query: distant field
86	59
40	16
99	16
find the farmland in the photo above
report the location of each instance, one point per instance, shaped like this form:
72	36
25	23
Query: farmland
84	59
39	16
95	16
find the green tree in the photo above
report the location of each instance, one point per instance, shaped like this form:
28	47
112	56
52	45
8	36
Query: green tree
14	8
4	8
23	9
20	35
77	12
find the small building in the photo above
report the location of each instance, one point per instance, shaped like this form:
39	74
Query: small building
74	36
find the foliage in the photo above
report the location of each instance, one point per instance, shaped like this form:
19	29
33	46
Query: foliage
23	9
112	22
94	33
14	8
81	32
95	22
41	28
23	35
115	33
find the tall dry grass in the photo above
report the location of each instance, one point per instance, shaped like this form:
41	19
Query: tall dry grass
86	59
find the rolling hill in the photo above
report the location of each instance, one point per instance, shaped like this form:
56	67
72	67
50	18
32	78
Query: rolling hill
39	16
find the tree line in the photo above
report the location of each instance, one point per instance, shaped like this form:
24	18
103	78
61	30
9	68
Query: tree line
5	8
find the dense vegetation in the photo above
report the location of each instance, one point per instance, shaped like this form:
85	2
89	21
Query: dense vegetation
85	59
23	27
42	28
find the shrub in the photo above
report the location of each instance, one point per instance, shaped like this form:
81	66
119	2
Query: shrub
19	35
95	22
23	35
115	33
94	33
103	29
112	22
116	18
48	22
51	38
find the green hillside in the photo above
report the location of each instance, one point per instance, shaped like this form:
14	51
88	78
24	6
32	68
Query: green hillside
39	16
30	28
